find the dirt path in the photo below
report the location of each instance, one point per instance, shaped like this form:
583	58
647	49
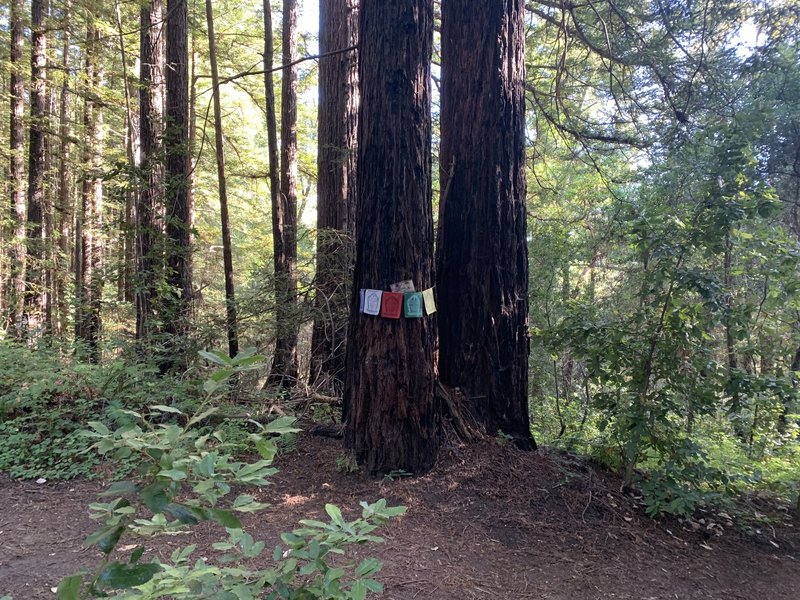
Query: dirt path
489	522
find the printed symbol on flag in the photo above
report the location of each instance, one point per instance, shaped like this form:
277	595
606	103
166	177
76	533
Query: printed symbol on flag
412	303
403	286
430	303
392	305
372	302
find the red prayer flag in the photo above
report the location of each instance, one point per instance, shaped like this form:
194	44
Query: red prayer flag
392	305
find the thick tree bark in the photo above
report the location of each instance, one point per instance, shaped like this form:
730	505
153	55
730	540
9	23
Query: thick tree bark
178	208
150	197
336	158
90	288
17	256
389	387
227	251
285	368
37	154
482	258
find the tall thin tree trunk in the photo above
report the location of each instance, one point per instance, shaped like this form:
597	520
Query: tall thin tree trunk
37	152
89	302
482	261
64	206
150	196
285	368
193	118
17	253
271	115
389	385
227	251
178	209
126	253
336	157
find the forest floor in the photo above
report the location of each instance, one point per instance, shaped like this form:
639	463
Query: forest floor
488	522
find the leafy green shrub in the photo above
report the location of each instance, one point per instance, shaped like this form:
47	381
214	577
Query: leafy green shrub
46	399
186	475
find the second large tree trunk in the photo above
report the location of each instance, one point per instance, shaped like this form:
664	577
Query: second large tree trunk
178	210
336	140
482	260
389	386
149	200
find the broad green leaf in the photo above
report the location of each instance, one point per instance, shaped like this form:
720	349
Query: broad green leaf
174	474
203	415
368	566
225	518
166	409
119	576
99	427
245	503
282	425
136	555
266	448
69	588
358	591
334	513
182	513
119	488
106	538
154	496
216	357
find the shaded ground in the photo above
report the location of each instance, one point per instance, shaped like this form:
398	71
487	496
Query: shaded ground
489	522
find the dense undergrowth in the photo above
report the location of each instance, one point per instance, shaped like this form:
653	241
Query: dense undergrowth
174	466
47	399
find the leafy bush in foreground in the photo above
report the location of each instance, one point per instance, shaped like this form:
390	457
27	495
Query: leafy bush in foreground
186	475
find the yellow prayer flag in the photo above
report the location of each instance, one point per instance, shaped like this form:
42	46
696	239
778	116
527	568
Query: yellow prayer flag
430	303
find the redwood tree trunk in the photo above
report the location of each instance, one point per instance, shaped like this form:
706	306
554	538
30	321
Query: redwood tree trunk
336	141
284	216
37	155
227	250
482	258
64	211
150	196
17	170
126	252
88	317
389	386
178	208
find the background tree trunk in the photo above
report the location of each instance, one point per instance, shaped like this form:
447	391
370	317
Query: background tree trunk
285	368
64	207
178	209
126	251
150	196
17	253
37	154
227	251
89	300
393	422
482	260
336	158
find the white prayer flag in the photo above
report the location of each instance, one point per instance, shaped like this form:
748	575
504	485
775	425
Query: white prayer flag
372	302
